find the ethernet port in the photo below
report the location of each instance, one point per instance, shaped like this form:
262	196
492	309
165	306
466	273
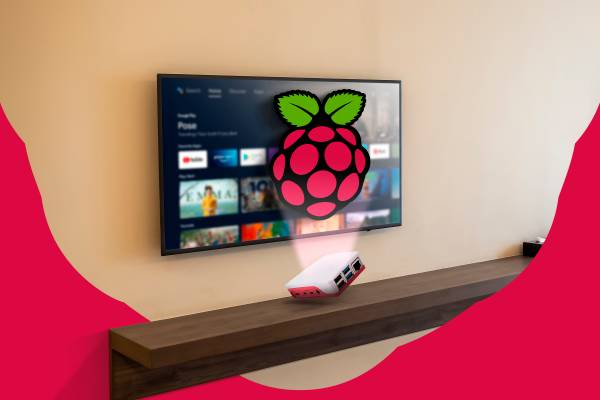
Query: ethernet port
356	265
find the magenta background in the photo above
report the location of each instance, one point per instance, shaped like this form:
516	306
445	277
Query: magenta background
537	338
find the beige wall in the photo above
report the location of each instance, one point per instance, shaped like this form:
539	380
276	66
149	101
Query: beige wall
495	94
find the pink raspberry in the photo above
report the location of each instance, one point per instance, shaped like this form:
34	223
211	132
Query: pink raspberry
320	172
320	167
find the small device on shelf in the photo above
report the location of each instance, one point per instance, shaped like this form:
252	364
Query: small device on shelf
329	276
531	248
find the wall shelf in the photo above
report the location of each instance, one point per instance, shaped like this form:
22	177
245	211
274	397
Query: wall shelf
165	355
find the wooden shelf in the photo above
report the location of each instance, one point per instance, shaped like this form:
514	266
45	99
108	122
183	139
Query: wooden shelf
165	355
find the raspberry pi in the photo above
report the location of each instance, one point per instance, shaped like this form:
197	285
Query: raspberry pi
321	163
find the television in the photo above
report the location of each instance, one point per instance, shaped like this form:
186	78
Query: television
217	135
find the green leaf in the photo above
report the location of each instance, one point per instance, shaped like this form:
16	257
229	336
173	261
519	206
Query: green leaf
297	107
345	106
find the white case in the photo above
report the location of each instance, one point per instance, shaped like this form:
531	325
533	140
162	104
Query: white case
319	279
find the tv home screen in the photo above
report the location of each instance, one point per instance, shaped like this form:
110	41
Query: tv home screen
218	135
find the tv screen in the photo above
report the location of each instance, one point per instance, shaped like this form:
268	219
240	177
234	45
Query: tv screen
217	135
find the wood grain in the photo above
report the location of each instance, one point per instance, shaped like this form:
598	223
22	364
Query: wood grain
169	354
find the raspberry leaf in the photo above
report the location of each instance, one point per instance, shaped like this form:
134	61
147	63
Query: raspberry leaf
297	107
345	106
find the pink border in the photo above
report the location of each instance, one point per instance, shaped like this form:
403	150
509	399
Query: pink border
537	338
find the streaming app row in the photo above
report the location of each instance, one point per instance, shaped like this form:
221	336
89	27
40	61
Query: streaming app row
214	197
229	234
251	157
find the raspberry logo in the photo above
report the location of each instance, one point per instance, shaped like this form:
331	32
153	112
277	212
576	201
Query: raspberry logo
321	163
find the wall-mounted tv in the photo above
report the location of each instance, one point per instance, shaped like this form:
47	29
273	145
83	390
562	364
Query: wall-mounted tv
216	137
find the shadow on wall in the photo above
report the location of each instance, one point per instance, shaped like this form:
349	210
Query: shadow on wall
124	183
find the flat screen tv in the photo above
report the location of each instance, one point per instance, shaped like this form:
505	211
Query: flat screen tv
216	137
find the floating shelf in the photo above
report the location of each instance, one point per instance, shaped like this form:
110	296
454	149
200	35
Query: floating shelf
170	354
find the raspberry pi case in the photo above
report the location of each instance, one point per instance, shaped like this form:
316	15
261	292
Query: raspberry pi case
329	276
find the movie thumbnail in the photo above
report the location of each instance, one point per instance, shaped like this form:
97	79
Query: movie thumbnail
367	218
305	226
209	237
380	121
376	184
258	194
207	198
265	230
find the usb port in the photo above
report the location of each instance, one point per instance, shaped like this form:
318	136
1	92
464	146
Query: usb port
341	284
346	270
338	278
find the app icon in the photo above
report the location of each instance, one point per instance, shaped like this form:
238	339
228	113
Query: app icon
395	183
224	158
253	157
193	159
379	151
396	150
271	152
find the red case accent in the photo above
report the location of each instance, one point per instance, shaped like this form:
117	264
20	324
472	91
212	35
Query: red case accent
313	291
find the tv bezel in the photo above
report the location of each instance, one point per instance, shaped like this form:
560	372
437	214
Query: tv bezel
167	252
